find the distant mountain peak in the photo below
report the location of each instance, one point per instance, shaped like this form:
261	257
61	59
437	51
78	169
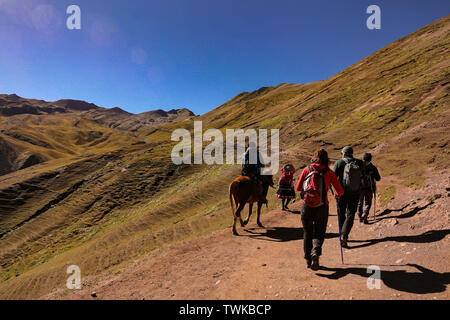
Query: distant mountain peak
118	111
13	97
77	105
181	111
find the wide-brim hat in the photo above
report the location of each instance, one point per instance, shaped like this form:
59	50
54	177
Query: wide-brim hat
288	168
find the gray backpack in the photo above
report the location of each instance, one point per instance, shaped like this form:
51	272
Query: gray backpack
352	175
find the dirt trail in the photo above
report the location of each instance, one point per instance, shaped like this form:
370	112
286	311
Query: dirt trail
411	246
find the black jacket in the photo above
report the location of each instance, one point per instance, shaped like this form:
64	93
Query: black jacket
371	175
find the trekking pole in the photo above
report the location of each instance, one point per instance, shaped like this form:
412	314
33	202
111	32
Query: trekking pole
339	224
340	233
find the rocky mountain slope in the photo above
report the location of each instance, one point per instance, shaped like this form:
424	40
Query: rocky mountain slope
104	195
34	131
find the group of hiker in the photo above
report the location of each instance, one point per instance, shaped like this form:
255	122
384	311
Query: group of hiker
352	181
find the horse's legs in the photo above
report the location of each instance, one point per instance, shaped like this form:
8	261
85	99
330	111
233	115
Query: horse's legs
237	215
258	221
250	211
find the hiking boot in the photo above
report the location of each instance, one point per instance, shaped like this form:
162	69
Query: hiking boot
344	243
308	263
315	263
361	219
365	220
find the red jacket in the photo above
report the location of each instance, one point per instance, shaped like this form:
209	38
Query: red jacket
286	177
330	178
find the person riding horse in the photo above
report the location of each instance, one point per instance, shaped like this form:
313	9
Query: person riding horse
252	166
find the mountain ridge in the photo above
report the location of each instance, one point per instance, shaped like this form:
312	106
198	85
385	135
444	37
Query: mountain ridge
64	106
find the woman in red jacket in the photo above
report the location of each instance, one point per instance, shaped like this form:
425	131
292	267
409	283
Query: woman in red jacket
313	186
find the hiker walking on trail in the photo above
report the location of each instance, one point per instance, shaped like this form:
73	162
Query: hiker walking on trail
350	172
313	186
286	190
368	188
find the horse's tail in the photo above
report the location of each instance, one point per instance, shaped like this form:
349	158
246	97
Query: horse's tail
233	210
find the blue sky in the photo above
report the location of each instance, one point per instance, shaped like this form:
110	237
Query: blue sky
145	55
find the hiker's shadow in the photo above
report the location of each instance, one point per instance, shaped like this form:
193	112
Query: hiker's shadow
388	211
426	237
278	234
411	213
281	234
422	282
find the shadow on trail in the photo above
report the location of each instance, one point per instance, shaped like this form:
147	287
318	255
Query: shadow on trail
388	211
278	234
425	281
426	237
411	213
281	234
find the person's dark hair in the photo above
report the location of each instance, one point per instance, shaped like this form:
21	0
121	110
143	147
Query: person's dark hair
320	156
347	151
367	157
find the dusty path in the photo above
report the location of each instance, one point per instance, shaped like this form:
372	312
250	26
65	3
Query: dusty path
411	246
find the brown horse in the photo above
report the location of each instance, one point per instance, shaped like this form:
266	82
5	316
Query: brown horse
245	190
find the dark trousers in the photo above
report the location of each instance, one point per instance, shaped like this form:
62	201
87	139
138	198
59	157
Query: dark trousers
365	203
314	222
348	204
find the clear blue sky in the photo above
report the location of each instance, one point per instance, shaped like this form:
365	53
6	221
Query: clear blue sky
143	55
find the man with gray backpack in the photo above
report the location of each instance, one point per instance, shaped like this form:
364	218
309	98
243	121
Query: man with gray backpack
350	172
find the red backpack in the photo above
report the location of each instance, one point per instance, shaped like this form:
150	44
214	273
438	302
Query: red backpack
314	187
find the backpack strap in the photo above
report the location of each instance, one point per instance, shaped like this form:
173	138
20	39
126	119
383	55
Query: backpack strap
323	194
347	161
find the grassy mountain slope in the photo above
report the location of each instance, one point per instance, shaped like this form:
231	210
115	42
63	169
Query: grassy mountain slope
102	197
